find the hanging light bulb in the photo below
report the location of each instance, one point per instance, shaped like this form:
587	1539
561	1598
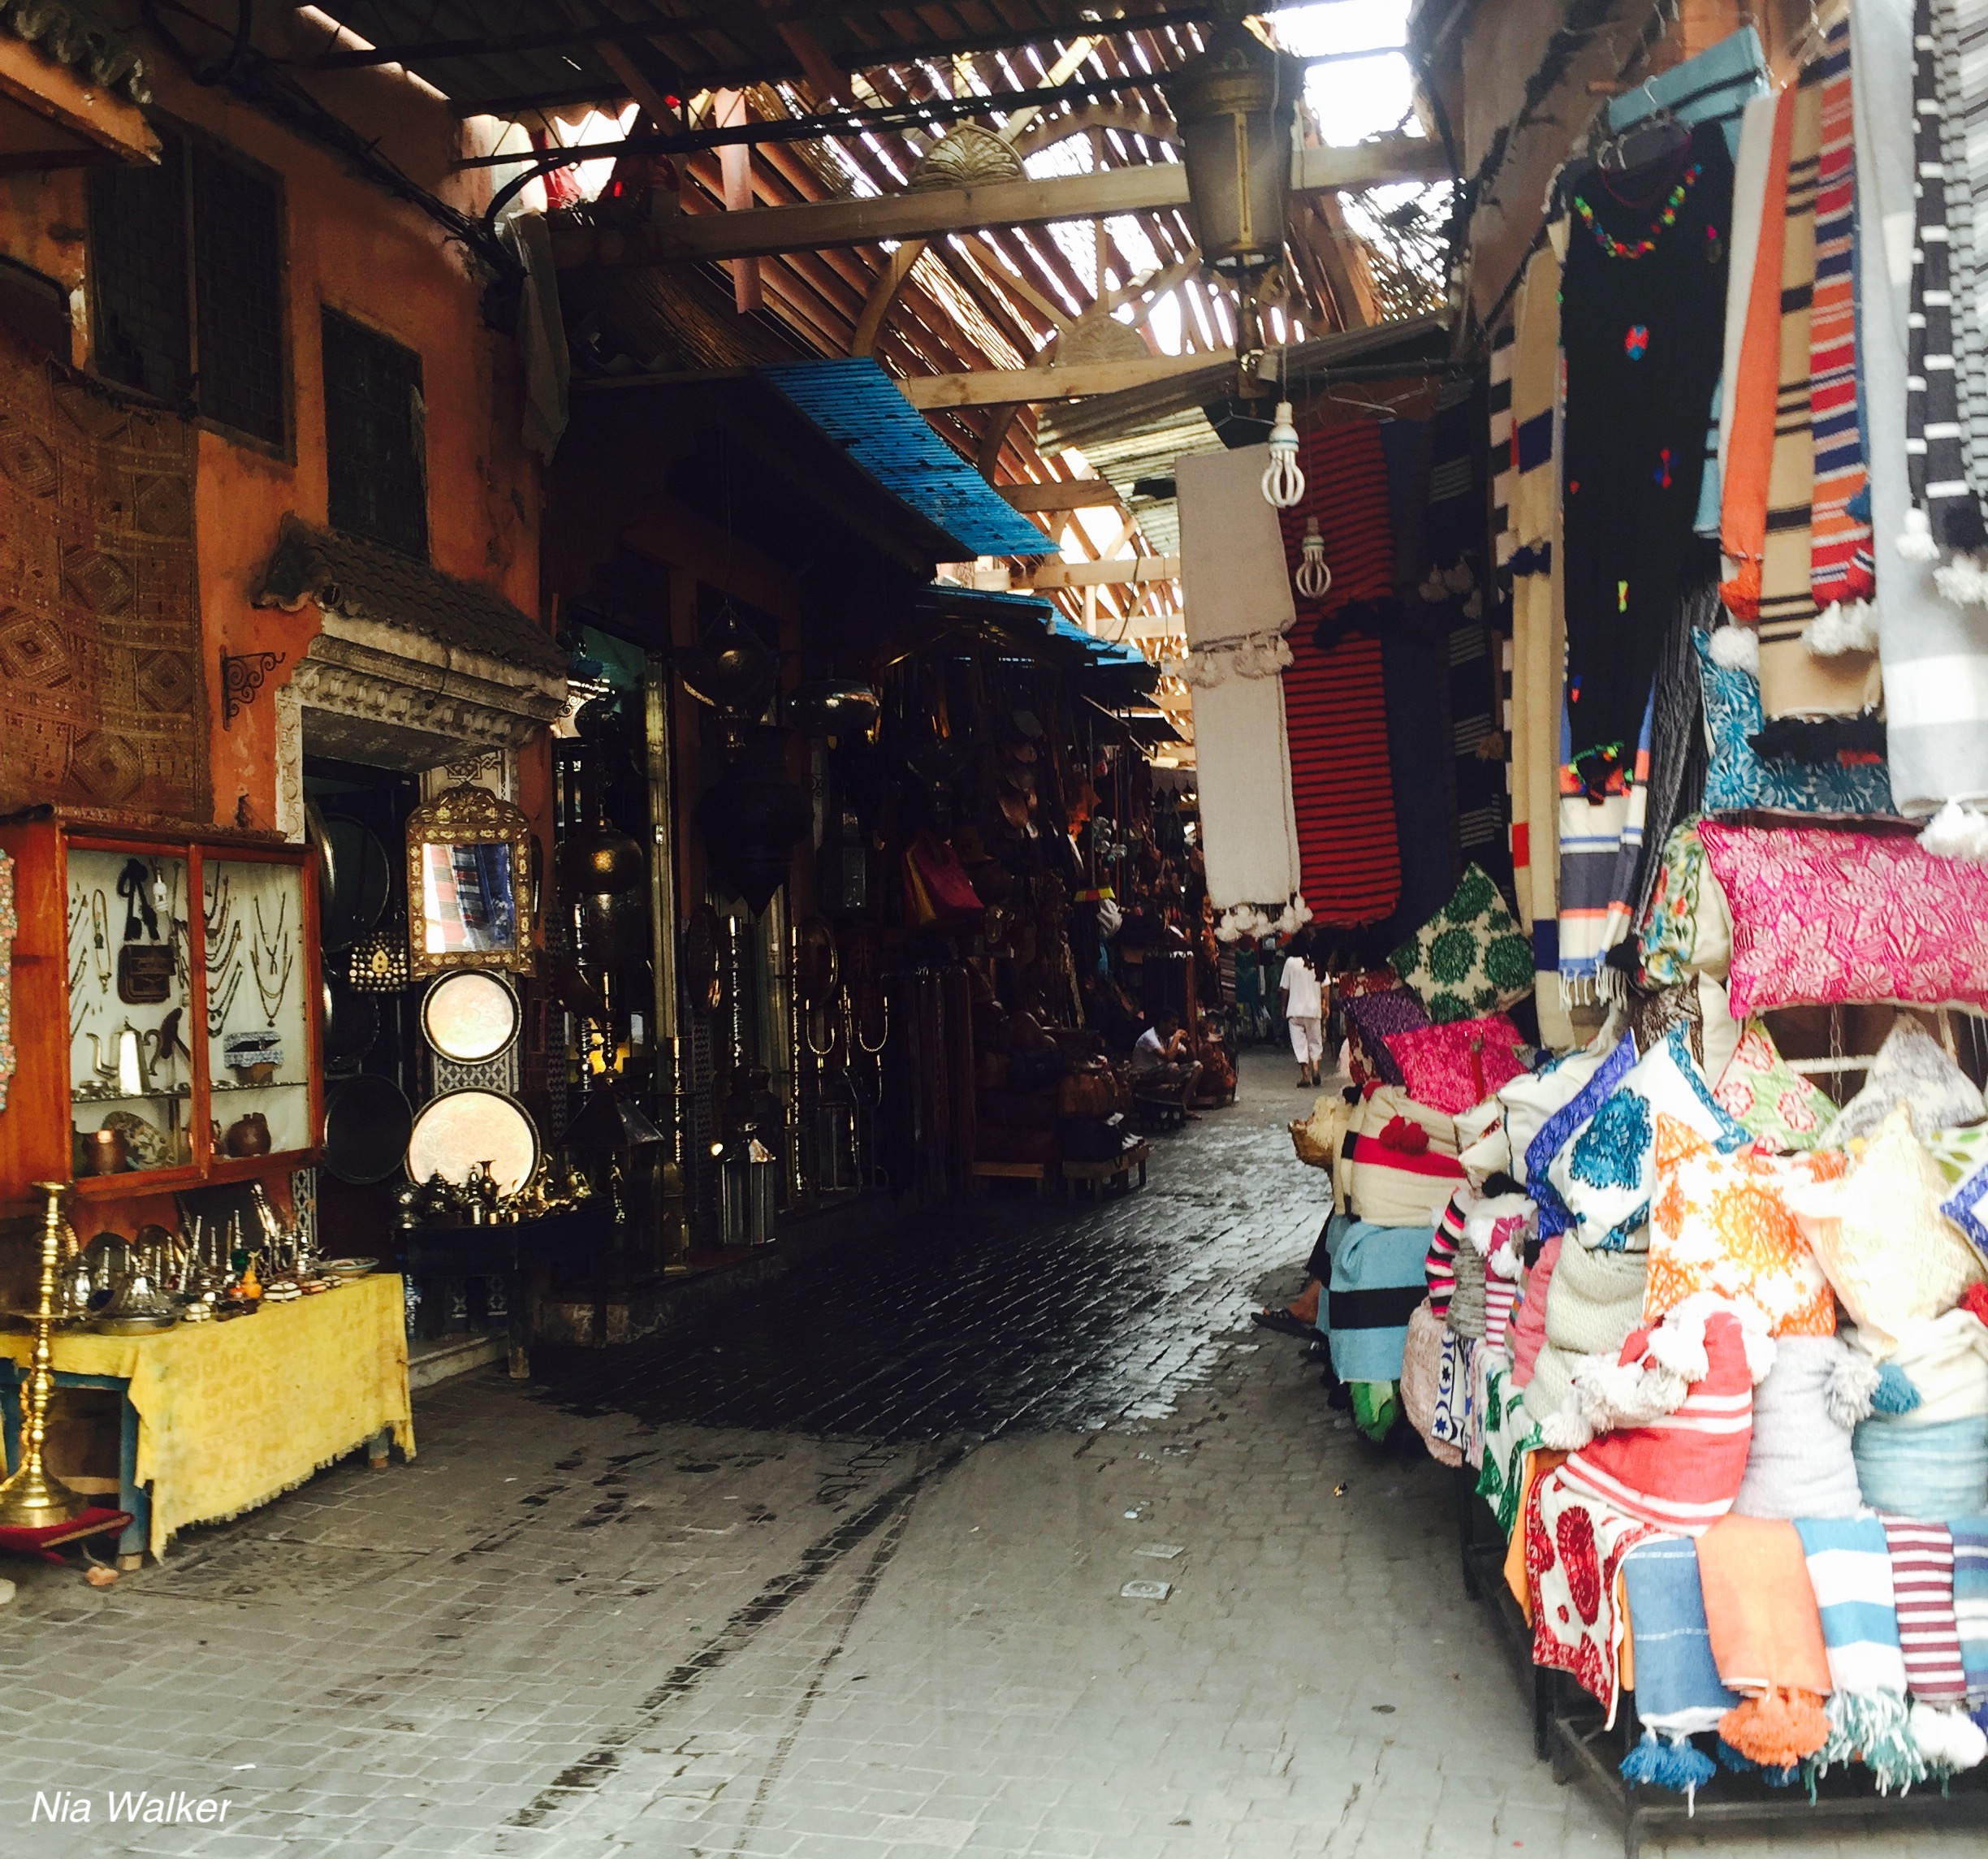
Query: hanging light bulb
1283	483
1313	579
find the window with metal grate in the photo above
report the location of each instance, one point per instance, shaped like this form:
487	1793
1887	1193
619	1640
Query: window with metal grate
375	436
186	284
238	293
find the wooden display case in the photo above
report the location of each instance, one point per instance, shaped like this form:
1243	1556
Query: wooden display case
166	1011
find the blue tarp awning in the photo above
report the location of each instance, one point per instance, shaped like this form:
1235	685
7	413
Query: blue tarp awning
859	407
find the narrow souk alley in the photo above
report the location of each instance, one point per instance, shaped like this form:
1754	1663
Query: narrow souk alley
842	1575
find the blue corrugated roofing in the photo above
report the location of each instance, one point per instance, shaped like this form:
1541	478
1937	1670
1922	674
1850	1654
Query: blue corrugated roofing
1105	651
859	407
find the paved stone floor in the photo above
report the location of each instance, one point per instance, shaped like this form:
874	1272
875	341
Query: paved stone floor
840	1576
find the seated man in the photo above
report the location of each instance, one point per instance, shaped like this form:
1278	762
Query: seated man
1163	1056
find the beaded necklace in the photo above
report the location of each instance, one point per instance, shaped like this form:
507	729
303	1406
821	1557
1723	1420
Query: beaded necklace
1614	246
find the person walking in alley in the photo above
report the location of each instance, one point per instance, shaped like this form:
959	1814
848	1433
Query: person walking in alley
1302	997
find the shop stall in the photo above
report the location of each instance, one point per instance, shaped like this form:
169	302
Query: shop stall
1656	1207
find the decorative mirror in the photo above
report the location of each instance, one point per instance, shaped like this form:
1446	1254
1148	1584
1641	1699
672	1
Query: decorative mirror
457	1133
471	1016
468	884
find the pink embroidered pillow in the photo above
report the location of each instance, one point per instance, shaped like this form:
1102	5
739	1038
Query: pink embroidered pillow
1439	1068
1821	918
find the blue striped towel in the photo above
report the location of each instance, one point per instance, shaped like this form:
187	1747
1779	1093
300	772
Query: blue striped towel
1676	1683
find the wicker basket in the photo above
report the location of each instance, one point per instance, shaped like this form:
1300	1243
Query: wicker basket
1311	1151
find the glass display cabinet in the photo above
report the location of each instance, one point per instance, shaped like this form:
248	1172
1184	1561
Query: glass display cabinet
164	1010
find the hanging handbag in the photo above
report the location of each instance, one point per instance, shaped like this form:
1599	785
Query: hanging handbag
934	874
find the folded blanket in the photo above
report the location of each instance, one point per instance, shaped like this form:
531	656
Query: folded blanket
1922	1586
1766	1639
1800	1464
1376	1286
1939	1471
1455	1383
1678	1689
1850	1572
1970	1548
1575	1544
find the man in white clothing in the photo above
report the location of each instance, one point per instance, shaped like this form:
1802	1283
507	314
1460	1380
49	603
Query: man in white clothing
1303	997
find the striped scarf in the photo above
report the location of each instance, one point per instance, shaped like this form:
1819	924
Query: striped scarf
1601	854
1922	1583
1503	341
1785	605
1842	563
1539	631
1970	1551
1748	408
1961	35
1945	513
1850	1570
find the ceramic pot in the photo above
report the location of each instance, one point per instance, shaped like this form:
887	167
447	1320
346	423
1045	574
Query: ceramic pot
248	1136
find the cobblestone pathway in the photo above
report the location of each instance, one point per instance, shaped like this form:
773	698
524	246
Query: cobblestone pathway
840	1577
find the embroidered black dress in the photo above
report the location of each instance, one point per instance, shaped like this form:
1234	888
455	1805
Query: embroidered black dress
1642	318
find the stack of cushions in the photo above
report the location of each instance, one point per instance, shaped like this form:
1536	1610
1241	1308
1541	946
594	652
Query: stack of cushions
1739	777
1930	1460
1377	1007
1801	1463
1911	1069
1399	1167
1470	957
1878	1232
1682	1470
1720	1223
1375	1287
1773	1102
1821	918
1687	927
1454	1067
1606	1175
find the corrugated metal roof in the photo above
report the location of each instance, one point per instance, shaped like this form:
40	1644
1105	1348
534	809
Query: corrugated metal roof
859	406
1103	651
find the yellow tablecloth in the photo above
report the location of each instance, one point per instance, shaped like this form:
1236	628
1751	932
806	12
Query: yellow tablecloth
231	1415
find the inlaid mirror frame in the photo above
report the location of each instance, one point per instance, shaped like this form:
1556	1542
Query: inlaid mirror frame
469	815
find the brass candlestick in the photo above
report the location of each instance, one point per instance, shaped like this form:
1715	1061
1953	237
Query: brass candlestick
31	1499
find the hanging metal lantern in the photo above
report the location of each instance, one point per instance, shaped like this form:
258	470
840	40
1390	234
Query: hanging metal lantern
1234	105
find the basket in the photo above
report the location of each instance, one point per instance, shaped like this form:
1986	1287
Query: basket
1310	1151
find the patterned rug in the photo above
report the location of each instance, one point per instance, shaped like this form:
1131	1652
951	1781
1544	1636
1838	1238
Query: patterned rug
102	691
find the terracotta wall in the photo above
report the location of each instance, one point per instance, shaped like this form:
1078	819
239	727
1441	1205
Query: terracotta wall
355	248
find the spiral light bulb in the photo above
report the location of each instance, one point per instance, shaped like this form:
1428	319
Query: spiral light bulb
1313	579
1283	483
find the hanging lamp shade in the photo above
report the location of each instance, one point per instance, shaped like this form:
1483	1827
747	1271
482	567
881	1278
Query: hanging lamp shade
1235	104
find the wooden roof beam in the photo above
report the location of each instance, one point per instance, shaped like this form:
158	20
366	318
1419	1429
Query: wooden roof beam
931	212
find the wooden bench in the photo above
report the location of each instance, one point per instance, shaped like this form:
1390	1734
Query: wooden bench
1035	1172
1099	1177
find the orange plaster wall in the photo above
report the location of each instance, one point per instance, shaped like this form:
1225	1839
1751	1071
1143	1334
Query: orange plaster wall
352	247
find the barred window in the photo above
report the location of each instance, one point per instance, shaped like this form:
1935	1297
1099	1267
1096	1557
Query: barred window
186	284
376	442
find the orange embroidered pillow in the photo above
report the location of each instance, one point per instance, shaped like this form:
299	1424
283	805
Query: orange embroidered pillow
1722	1224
